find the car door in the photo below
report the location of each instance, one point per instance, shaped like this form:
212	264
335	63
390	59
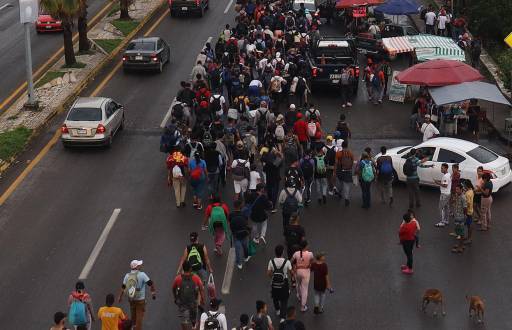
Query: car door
450	157
118	114
110	123
425	172
160	50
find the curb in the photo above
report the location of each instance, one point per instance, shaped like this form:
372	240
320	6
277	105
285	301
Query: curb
83	84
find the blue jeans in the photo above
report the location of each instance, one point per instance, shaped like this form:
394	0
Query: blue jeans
366	191
241	245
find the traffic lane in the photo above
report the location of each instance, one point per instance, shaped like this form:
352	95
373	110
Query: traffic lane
142	91
12	46
364	259
74	169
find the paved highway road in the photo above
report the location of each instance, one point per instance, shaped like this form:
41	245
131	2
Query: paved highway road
12	45
52	222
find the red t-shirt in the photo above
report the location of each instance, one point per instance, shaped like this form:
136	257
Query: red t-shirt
300	128
320	272
196	279
407	231
208	210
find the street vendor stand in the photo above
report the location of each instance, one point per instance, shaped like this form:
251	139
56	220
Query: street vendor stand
424	47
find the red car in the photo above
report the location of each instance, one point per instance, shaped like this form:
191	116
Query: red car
46	23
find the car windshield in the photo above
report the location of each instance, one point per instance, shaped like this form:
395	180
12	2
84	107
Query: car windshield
483	155
84	114
141	46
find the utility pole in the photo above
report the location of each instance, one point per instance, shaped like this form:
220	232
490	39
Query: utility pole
28	15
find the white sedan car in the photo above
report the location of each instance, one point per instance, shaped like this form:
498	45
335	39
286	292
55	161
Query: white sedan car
467	154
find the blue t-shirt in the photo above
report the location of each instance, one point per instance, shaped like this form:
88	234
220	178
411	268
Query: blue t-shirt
142	279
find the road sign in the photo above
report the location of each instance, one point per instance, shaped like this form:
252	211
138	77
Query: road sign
508	40
29	10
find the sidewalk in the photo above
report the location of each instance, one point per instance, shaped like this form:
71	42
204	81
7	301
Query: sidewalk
496	113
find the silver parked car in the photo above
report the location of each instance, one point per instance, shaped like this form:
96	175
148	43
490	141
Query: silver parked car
92	121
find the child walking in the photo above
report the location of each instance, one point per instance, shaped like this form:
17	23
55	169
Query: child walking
321	282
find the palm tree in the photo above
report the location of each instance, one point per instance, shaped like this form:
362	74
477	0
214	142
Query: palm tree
123	6
83	41
65	11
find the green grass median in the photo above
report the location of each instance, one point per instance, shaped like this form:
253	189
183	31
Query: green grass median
108	45
13	142
125	26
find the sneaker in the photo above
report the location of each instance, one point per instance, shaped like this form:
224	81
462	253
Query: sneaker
452	234
273	211
183	204
407	271
324	199
331	193
199	207
248	258
308	201
316	310
281	320
403	267
263	239
349	104
319	201
343	105
255	240
440	224
203	227
278	312
304	309
390	201
239	266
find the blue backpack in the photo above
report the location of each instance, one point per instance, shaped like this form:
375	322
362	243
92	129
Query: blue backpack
77	313
386	167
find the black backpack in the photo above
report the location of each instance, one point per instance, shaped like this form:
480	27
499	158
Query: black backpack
215	104
211	322
177	111
260	322
279	280
290	204
409	167
187	292
330	156
307	168
262	121
301	86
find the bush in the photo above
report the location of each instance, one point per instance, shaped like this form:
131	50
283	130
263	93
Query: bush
13	142
504	61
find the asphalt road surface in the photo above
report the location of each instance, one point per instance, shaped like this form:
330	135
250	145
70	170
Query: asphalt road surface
52	222
12	45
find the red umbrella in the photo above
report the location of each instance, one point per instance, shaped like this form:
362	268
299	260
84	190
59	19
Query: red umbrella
342	4
439	73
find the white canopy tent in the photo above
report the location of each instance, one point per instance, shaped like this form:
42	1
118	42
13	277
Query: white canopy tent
465	91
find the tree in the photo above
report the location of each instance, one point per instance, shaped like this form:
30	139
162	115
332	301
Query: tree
65	11
83	41
123	6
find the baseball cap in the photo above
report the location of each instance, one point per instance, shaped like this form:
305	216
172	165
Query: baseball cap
279	117
329	138
299	115
135	263
292	106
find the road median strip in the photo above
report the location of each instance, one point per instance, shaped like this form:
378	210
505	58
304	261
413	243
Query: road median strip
37	121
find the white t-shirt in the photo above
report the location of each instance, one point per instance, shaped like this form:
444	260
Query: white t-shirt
255	83
429	130
279	262
221	317
255	177
430	18
374	29
446	180
250	48
442	22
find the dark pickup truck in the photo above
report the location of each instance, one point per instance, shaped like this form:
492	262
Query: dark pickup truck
328	56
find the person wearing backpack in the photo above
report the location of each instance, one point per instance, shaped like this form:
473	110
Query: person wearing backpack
188	293
377	81
307	167
261	320
198	179
330	161
239	225
291	149
321	176
177	165
213	319
366	173
262	120
134	287
196	254
260	205
80	307
217	104
385	176
314	132
216	216
279	270
290	200
171	137
291	323
346	81
214	163
294	234
240	170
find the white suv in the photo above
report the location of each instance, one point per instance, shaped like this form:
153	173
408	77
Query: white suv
92	121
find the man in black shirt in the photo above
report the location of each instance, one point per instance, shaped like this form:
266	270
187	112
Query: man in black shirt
260	206
294	234
291	323
239	225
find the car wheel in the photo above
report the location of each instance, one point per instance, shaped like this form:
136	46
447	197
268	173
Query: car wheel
121	126
108	143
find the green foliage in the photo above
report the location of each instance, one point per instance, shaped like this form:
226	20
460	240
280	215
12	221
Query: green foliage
13	142
125	26
49	76
491	19
114	10
504	61
108	45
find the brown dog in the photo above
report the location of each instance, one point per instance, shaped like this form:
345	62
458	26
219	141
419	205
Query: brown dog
476	307
435	296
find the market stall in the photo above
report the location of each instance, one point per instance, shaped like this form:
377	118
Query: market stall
425	47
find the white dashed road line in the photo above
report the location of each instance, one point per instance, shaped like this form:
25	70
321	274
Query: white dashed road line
168	114
228	274
5	6
99	245
228	6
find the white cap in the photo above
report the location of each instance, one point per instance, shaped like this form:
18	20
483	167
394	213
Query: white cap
427	116
135	263
292	106
278	55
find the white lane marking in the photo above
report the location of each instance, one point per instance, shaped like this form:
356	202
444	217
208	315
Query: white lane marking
99	245
168	114
228	6
228	274
5	6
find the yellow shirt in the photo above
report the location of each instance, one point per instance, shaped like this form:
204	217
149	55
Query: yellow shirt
469	201
110	317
